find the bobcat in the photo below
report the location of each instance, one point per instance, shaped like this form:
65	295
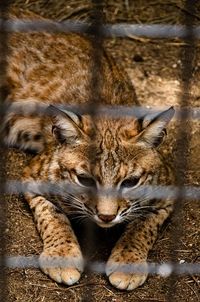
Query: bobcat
98	154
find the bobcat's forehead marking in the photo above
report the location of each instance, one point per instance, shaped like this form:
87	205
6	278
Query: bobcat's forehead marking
112	154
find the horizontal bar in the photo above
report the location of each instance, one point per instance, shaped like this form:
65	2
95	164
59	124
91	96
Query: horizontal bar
34	107
107	30
150	31
64	188
163	269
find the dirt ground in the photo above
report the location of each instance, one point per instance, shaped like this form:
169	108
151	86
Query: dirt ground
154	66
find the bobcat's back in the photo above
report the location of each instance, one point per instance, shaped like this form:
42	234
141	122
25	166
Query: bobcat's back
46	68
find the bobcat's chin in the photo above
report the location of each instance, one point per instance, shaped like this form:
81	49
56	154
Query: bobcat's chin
105	225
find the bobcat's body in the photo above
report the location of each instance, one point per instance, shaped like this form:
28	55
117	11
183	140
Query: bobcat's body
55	69
106	157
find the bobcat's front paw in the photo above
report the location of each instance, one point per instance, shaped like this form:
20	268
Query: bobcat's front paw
61	267
122	276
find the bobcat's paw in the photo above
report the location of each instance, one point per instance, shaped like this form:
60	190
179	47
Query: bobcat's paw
121	277
62	269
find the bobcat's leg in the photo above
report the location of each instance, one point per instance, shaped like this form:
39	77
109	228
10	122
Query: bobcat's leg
60	243
133	248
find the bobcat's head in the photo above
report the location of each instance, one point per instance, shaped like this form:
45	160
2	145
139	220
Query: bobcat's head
108	157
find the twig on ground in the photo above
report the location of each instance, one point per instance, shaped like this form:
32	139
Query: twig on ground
192	289
66	288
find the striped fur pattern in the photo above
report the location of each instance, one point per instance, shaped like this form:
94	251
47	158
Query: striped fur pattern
96	154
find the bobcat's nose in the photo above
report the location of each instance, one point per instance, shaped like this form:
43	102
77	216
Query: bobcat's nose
106	218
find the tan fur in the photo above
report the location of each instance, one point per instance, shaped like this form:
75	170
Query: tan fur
102	155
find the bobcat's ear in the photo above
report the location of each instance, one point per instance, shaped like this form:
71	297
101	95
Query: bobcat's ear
66	125
155	130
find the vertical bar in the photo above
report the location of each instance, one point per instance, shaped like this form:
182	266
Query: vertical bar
4	6
183	135
96	40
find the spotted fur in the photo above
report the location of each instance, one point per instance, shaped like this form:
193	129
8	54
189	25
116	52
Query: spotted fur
104	158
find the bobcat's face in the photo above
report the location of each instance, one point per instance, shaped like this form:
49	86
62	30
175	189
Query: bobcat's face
108	158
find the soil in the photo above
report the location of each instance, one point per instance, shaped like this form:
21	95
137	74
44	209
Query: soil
155	67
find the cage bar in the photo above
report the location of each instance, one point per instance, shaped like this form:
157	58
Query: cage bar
156	31
183	135
4	6
96	41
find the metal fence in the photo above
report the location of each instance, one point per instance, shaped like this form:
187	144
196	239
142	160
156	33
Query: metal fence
98	30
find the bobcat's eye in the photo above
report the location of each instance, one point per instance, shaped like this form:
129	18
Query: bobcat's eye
130	182
86	181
